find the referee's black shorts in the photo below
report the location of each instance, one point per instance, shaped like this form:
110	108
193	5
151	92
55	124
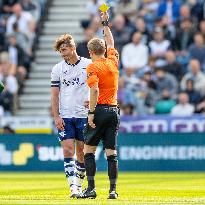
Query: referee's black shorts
107	121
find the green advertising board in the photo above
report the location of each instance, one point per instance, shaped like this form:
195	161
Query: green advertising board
136	152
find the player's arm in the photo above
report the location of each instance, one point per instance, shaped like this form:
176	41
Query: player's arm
55	101
108	37
55	90
94	93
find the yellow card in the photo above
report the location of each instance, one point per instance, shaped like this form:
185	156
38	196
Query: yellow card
104	7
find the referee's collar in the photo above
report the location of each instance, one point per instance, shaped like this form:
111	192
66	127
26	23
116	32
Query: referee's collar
76	63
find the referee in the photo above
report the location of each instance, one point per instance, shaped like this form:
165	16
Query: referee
103	116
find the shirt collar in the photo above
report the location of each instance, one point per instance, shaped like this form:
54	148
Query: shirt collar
78	61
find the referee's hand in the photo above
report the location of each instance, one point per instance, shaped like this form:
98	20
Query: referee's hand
90	120
59	122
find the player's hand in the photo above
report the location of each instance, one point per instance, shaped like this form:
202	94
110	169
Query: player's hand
59	122
104	16
90	120
86	104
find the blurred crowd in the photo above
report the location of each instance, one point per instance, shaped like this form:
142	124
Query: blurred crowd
162	53
18	34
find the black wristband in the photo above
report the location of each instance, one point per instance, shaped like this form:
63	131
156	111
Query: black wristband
105	23
89	112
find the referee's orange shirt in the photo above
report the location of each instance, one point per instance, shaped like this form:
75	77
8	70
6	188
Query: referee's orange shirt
105	73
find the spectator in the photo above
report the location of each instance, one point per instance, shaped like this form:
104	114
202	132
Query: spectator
16	53
7	6
127	8
165	104
166	81
92	7
140	26
170	8
159	45
33	7
121	32
185	13
82	49
184	36
135	54
183	108
196	75
202	28
148	10
200	107
21	39
8	130
95	25
7	100
197	50
194	96
23	19
173	66
127	110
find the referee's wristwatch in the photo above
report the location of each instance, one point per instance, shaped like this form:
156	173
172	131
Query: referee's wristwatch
91	112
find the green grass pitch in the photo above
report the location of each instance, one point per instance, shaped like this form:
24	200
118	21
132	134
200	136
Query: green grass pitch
133	188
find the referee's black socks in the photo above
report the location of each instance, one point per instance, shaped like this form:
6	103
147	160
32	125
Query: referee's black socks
90	167
112	171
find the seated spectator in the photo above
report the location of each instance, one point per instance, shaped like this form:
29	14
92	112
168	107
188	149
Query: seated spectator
82	49
2	33
8	130
169	30
16	53
96	26
147	11
7	100
121	33
197	9
202	28
183	107
170	8
166	81
140	26
200	107
7	6
185	13
33	7
127	110
92	7
149	81
127	8
135	54
159	45
23	19
196	75
6	66
194	96
172	66
184	36
197	50
22	40
165	104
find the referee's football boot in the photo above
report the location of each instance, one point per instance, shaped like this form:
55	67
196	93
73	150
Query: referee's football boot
87	193
113	195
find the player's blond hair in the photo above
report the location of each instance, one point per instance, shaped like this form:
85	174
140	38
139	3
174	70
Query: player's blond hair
63	39
97	46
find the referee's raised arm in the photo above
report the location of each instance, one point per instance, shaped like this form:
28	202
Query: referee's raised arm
108	37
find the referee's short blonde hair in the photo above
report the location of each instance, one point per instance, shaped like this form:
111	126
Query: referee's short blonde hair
63	40
97	46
